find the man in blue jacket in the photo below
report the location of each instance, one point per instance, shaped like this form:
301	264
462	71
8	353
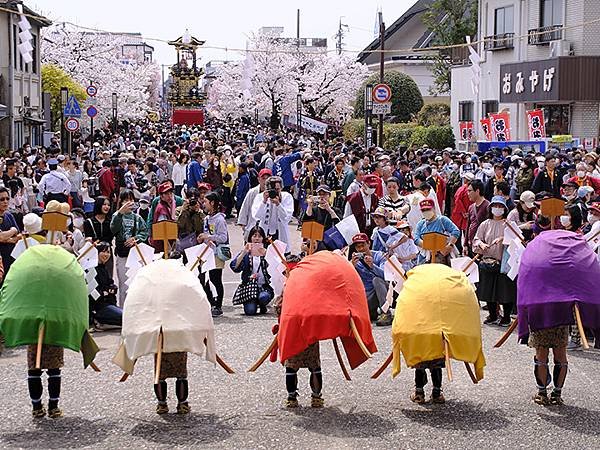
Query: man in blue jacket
283	166
195	171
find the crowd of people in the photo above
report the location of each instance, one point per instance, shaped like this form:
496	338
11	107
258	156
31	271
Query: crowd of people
268	182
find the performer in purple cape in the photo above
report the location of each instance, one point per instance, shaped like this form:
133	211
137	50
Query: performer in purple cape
558	272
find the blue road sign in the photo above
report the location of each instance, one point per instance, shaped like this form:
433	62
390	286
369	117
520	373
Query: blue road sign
92	111
72	108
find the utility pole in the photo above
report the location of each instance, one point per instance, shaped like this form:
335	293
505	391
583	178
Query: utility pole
381	73
298	30
340	37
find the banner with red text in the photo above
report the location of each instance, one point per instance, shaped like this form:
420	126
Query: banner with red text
535	122
486	127
466	131
500	124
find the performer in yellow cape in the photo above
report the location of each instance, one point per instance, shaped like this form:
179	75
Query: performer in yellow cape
437	317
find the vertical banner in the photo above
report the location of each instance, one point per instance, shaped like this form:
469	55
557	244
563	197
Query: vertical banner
486	127
535	122
466	131
500	124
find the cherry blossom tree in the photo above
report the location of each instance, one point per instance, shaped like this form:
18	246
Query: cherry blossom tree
273	74
99	58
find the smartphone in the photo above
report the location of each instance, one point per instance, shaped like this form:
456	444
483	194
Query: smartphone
257	250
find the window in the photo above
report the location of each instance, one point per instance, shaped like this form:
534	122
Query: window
551	13
504	20
557	118
488	107
465	111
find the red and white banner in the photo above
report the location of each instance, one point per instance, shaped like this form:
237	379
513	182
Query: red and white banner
466	131
535	122
500	124
486	127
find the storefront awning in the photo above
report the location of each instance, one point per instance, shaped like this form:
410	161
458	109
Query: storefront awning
35	120
562	79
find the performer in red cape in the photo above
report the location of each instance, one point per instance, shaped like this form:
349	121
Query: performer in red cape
322	295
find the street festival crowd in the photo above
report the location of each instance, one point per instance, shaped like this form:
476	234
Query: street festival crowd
269	183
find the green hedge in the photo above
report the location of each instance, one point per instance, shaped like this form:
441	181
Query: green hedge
406	134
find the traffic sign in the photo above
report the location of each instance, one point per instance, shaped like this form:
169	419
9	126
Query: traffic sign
72	108
72	124
382	108
91	90
91	101
382	93
92	111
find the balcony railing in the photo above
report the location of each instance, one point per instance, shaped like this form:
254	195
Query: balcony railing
544	35
458	56
499	42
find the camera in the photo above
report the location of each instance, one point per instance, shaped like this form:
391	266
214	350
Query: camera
272	191
316	199
360	255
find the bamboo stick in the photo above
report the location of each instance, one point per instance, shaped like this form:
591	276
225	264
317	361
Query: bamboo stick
448	362
158	357
359	340
224	365
584	341
340	360
265	355
507	334
384	366
140	254
199	259
38	353
471	374
89	249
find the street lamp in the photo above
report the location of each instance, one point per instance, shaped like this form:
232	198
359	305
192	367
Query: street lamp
114	111
368	106
299	112
64	97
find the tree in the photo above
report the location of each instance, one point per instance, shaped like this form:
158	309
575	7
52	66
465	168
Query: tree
407	100
434	114
274	73
450	21
98	57
53	79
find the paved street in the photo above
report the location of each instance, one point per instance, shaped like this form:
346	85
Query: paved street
246	410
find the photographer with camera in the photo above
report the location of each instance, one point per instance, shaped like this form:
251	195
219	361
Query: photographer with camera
319	210
273	211
190	222
369	265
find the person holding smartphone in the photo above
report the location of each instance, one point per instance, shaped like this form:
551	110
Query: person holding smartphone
251	263
129	228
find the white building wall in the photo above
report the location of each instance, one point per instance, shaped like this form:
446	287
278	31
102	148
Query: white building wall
584	120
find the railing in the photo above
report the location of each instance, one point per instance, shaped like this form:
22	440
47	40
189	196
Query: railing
544	35
458	56
499	42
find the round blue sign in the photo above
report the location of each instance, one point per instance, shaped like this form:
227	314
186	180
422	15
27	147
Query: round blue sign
92	111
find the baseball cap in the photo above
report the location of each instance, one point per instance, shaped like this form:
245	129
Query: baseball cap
370	180
379	211
360	237
426	204
164	187
53	162
205	186
264	172
528	199
468	176
595	206
570	184
323	188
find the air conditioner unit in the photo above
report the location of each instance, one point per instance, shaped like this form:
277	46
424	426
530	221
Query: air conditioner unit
561	48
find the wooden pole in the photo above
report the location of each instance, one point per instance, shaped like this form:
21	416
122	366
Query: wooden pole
224	365
95	367
395	267
158	357
283	260
25	242
166	247
141	255
199	258
338	354
448	362
52	237
359	340
515	232
507	334
265	355
89	249
584	341
471	374
384	366
40	342
470	263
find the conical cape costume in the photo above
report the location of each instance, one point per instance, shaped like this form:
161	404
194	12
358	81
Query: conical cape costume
437	303
321	294
46	286
558	270
165	295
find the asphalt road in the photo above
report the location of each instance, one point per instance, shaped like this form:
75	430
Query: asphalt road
246	410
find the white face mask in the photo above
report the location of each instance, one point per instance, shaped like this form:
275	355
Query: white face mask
565	221
369	190
523	166
497	211
428	215
433	172
144	206
541	164
78	222
581	173
454	166
593	219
